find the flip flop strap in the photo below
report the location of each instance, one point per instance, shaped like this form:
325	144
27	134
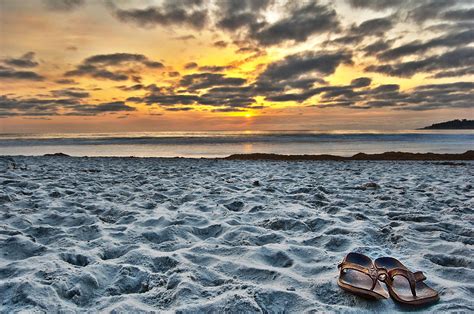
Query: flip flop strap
372	272
412	278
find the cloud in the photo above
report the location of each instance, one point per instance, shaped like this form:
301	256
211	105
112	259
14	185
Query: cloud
324	63
120	58
360	94
375	4
220	44
179	109
92	110
98	66
66	81
455	73
70	92
93	71
131	88
190	65
10	107
25	61
361	82
205	80
63	5
11	74
173	74
458	15
462	57
450	40
429	10
185	37
376	47
32	106
236	14
299	25
215	68
421	98
356	34
181	13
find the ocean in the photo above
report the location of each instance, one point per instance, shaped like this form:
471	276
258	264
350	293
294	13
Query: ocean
222	144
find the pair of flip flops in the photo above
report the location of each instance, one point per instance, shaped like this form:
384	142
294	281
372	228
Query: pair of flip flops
359	275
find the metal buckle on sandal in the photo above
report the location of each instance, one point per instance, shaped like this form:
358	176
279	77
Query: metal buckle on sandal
382	277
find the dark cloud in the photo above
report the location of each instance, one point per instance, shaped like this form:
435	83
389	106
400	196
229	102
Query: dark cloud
56	106
450	40
215	68
299	25
131	88
356	34
95	72
25	61
66	82
229	7
237	21
421	98
375	4
324	63
220	44
455	73
190	65
11	74
115	59
427	10
173	74
236	14
63	5
185	37
361	82
205	80
376	47
33	106
462	57
71	92
181	13
179	109
92	110
247	50
461	14
373	27
98	66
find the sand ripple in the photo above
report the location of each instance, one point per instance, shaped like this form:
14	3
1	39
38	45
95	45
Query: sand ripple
104	234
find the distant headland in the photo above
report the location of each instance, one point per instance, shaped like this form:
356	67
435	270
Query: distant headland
463	124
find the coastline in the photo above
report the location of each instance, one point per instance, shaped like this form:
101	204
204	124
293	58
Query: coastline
386	156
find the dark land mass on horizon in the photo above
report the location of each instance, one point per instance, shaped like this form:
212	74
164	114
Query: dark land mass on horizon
457	124
468	155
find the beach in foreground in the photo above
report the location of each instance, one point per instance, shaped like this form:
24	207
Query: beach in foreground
132	234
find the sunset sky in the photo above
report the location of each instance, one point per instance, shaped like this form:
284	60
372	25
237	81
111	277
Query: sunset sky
109	66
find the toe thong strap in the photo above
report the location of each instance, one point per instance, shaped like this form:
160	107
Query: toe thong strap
371	272
412	278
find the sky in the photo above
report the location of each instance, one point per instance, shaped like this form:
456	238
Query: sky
196	65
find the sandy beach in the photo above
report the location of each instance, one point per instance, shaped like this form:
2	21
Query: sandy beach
198	235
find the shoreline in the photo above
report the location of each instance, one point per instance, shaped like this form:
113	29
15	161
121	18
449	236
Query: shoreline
386	156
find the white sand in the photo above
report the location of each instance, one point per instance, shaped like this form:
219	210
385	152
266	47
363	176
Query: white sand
198	235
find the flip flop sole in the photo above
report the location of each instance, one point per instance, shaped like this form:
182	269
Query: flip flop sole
360	292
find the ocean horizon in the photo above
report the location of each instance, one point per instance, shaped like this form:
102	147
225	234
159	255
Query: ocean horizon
214	144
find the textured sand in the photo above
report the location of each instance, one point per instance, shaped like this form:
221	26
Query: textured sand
203	235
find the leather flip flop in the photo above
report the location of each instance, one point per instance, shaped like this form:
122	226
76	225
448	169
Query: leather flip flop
403	285
359	275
